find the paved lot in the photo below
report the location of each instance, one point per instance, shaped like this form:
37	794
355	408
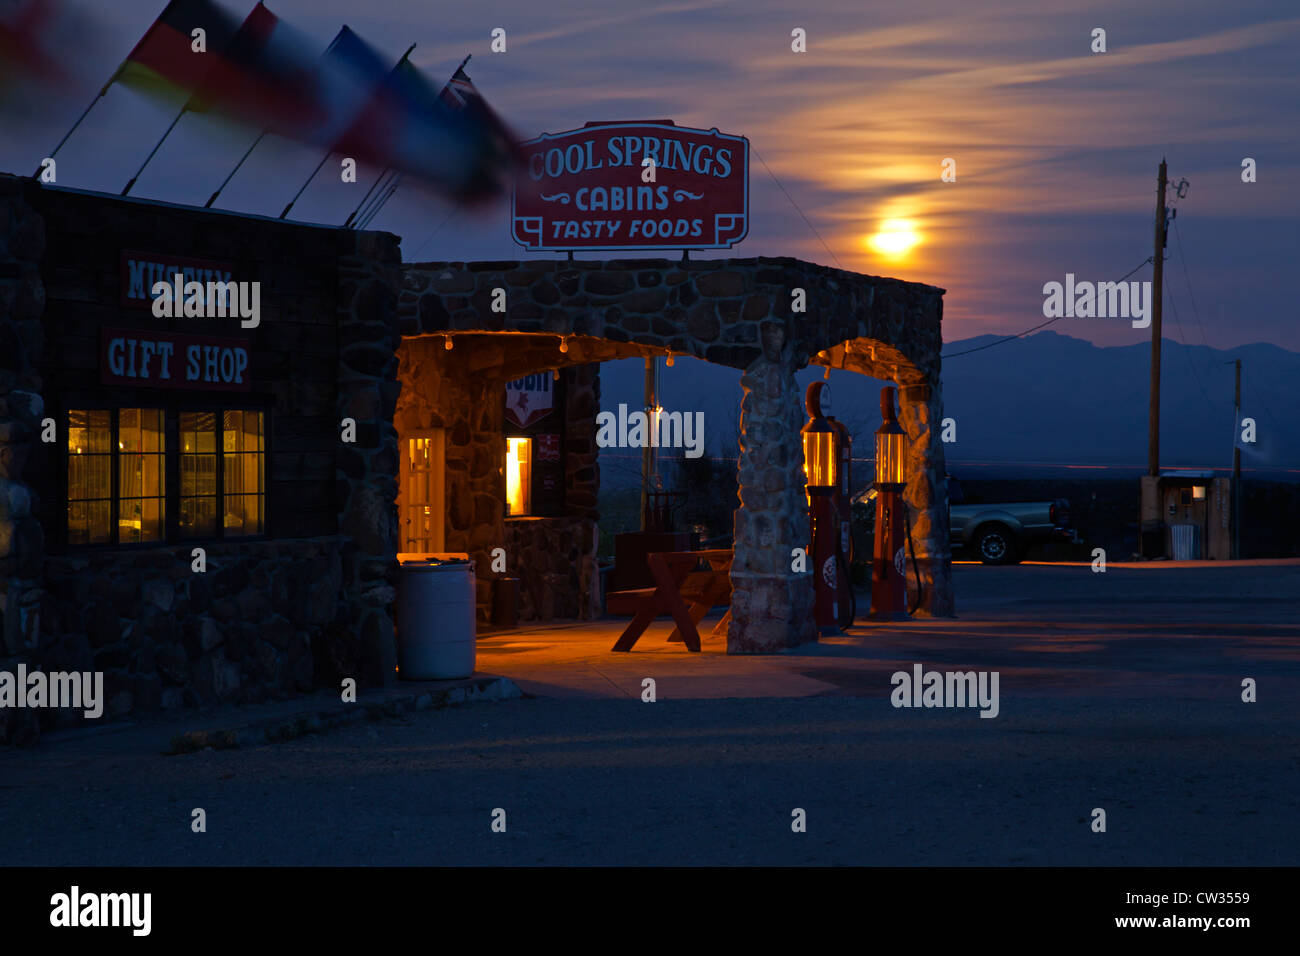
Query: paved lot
1119	691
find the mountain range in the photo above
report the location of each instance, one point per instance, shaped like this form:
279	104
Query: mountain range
1042	402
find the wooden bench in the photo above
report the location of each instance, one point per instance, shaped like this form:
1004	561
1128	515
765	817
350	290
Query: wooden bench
682	590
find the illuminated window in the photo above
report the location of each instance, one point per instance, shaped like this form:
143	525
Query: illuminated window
240	495
136	512
244	472
519	476
90	477
198	501
141	491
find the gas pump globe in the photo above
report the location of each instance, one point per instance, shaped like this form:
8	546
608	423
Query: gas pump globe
888	569
820	464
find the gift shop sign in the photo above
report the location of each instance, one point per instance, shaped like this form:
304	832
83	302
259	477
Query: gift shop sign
172	360
589	188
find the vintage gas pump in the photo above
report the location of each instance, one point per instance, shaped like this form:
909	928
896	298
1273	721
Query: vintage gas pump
888	571
821	469
844	513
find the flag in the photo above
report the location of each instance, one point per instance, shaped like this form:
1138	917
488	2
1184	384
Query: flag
165	62
405	125
461	94
24	37
265	76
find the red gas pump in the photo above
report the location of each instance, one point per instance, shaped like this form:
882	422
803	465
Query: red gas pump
844	512
888	580
823	445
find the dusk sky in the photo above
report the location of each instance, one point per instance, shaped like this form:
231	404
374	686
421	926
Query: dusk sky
1056	147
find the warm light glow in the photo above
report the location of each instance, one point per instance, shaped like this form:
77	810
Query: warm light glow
895	238
819	459
519	473
1198	492
889	458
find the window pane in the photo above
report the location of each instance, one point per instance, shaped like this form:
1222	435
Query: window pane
243	473
198	432
198	474
88	522
244	515
198	517
243	431
140	430
139	519
89	477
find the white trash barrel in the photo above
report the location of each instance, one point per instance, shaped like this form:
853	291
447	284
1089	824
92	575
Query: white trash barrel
436	623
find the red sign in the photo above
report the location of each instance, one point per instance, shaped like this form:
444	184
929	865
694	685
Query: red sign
548	447
587	189
140	270
171	360
529	399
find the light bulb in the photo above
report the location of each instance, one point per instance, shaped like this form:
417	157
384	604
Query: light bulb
556	374
669	363
446	342
564	344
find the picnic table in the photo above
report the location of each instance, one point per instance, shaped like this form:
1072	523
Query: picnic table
682	589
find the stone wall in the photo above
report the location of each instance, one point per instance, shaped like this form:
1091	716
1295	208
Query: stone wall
555	560
266	619
22	540
366	476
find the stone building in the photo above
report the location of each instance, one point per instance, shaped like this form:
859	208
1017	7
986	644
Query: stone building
210	509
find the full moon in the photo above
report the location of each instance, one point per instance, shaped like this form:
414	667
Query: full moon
895	238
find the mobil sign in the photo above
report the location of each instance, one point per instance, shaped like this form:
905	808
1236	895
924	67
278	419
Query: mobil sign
647	185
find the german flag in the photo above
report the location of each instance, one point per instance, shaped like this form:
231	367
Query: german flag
165	62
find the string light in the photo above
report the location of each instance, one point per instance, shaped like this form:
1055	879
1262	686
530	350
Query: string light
446	342
669	362
564	343
555	373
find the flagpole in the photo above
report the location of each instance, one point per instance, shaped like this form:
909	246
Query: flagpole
86	112
213	197
378	180
366	201
382	172
127	188
374	211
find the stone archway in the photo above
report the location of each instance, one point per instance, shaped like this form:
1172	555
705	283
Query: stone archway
744	314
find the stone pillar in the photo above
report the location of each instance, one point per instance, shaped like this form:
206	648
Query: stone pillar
771	605
22	541
926	494
368	468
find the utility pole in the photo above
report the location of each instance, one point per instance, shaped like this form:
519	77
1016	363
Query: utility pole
647	452
1236	466
1157	289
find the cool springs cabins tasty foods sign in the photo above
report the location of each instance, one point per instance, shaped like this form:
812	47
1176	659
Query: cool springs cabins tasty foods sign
591	188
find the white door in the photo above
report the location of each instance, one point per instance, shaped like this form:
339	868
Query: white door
421	494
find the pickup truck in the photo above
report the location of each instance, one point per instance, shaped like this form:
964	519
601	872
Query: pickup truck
998	533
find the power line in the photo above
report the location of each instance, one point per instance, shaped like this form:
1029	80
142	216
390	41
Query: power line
1178	239
796	207
1041	325
1186	348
